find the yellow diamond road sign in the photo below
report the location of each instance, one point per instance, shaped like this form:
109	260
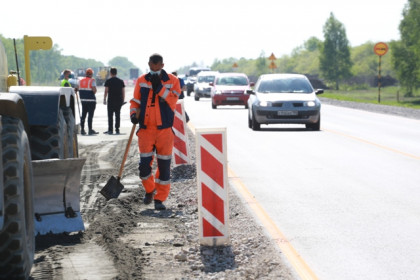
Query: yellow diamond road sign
380	48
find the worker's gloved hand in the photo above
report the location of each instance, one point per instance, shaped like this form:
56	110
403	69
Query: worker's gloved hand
134	119
156	83
104	102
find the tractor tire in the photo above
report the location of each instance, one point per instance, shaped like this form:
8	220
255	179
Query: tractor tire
50	141
72	147
17	239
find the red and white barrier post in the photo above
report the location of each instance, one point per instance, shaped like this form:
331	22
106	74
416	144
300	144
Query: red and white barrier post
181	152
212	182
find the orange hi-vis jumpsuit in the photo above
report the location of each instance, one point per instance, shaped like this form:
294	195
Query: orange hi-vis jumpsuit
155	133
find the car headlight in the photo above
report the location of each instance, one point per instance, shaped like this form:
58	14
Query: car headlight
310	104
218	92
265	104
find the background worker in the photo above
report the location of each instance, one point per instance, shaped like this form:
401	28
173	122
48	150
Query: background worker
115	91
65	81
155	97
181	96
87	91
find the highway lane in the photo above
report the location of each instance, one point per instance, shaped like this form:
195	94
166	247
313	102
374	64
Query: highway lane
347	197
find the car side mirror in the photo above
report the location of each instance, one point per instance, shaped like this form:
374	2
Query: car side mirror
249	91
319	91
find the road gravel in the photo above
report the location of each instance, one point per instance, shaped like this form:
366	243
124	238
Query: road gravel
125	239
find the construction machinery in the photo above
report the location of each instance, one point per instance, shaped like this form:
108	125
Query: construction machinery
102	75
40	168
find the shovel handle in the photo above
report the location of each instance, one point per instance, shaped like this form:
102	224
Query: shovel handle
127	148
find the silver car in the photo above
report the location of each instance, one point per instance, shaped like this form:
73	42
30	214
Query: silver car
202	87
284	99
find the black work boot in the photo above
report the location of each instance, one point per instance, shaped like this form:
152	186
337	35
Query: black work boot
83	132
148	198
159	205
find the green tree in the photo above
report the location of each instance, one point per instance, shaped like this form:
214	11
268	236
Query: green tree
123	66
312	44
406	53
335	63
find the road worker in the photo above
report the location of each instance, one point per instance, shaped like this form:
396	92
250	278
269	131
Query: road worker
66	77
87	91
155	96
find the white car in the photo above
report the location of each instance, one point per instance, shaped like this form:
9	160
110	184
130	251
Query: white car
202	86
284	99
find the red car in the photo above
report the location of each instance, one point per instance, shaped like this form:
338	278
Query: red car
230	89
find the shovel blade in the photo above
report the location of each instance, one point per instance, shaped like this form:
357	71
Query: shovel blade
57	195
112	189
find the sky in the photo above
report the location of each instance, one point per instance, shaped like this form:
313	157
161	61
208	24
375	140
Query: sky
188	31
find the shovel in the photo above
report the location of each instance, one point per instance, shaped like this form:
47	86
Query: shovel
113	187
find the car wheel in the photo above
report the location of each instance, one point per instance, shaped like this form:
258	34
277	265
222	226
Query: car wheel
188	92
249	120
315	126
196	97
246	105
255	124
214	106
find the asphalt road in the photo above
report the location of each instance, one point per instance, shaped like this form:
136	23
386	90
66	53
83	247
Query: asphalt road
347	197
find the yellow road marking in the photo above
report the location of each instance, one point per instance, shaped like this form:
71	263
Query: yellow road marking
302	269
372	143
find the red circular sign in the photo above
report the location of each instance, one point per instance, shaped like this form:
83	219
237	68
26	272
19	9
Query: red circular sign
380	49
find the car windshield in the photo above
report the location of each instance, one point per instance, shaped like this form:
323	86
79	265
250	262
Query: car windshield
232	81
284	85
205	79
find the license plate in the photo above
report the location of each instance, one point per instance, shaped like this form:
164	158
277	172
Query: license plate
287	113
232	98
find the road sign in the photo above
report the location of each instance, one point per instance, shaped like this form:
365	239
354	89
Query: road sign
380	49
235	65
272	65
272	57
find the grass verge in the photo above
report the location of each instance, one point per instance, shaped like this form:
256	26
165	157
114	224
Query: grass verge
392	96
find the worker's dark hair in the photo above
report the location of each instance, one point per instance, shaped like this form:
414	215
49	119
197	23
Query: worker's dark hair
66	71
175	73
155	58
113	71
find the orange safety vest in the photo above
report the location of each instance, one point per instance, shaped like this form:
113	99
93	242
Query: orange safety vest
86	91
160	111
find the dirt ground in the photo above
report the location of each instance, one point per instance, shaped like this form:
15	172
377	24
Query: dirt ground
125	239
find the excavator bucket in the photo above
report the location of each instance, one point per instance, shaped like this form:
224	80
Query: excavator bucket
57	195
